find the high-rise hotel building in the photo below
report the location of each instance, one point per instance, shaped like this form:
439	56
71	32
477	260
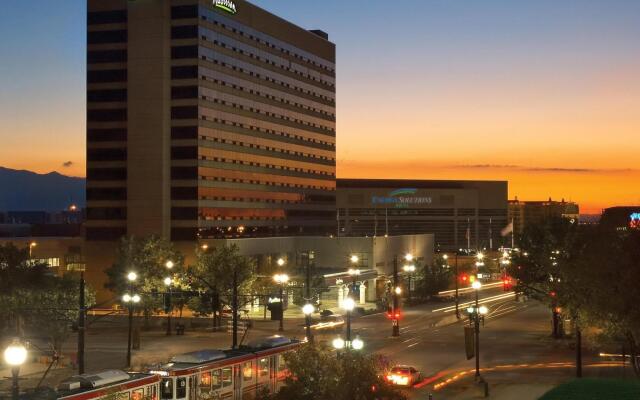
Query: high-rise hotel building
207	119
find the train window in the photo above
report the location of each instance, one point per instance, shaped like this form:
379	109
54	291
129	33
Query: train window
247	371
226	377
181	388
154	394
137	394
282	364
263	367
205	380
216	382
166	389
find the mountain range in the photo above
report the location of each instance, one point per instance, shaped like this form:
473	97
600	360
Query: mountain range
22	190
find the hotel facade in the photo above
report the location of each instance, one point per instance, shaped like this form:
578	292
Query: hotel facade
207	120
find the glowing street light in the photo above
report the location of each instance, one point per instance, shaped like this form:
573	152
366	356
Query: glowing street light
280	261
169	264
354	259
281	279
168	281
307	310
132	276
15	355
338	343
357	344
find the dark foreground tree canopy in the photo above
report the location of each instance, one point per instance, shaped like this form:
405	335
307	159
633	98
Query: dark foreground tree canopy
319	374
591	274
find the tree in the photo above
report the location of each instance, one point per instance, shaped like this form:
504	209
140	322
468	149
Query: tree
148	258
35	299
433	278
212	276
317	374
542	264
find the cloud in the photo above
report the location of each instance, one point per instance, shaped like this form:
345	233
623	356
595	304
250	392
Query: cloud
67	164
543	169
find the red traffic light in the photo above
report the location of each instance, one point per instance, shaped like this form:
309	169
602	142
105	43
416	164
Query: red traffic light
464	277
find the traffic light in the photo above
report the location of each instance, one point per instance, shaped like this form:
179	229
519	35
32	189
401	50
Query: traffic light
472	278
464	278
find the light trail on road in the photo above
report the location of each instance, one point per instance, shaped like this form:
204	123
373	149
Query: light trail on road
480	301
470	289
511	367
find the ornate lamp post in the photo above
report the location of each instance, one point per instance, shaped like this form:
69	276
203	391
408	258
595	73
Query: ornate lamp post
15	355
281	279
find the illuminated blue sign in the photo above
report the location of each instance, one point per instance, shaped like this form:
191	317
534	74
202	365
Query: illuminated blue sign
634	222
401	198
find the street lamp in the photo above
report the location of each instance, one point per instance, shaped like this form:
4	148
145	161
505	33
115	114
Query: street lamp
409	270
280	262
357	344
354	273
475	314
338	343
348	304
169	264
307	310
31	246
282	280
15	355
167	307
130	300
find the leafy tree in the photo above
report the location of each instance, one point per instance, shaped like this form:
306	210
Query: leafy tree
148	258
317	374
542	265
433	278
35	299
213	276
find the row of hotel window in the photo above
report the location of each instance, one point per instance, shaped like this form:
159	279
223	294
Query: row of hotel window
191	11
121	36
191	173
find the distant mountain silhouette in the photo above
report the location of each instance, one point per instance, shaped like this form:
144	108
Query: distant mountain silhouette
22	190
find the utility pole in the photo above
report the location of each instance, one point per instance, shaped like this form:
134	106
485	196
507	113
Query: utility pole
396	319
579	348
477	329
234	308
81	325
457	298
308	295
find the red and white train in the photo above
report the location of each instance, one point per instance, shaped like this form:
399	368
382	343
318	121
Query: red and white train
200	375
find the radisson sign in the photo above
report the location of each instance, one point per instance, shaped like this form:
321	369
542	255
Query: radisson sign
226	5
401	198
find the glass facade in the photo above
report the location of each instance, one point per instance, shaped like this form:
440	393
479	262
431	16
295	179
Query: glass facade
265	138
251	116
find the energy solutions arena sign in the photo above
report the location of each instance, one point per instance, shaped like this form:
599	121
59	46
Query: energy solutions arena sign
401	198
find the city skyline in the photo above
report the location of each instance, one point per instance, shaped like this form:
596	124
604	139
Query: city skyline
541	95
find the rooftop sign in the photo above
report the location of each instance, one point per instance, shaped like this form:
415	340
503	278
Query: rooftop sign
401	198
634	222
226	5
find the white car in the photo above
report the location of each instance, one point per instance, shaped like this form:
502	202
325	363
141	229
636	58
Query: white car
404	375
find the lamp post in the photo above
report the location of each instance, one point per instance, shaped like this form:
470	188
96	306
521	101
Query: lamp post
168	282
409	269
307	310
281	279
477	312
130	299
356	344
31	246
354	272
348	304
15	355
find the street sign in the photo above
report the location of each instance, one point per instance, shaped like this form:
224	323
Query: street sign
469	343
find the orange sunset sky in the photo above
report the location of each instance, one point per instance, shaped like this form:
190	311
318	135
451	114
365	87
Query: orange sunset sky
542	94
